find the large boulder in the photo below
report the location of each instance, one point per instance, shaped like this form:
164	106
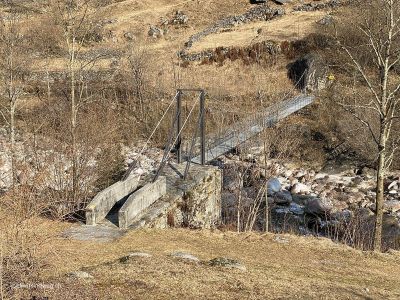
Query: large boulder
283	197
309	72
228	199
296	209
318	206
273	186
300	188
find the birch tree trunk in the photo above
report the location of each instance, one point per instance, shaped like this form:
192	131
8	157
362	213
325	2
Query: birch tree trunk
378	25
381	170
73	118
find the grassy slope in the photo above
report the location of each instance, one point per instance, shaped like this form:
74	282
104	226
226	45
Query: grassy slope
136	17
303	268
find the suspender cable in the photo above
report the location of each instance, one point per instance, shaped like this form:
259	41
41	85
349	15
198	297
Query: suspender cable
133	165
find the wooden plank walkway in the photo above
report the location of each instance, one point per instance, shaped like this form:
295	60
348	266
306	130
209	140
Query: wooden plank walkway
242	131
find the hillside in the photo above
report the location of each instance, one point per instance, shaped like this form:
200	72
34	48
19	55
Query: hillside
278	267
84	83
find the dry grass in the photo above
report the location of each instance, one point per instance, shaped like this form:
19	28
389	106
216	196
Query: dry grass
302	268
293	26
137	16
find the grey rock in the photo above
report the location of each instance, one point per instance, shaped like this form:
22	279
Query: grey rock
327	20
281	240
129	36
250	192
318	6
392	205
318	206
364	213
133	255
282	1
227	263
282	210
283	197
247	202
155	32
228	199
232	185
257	13
391	231
302	199
393	185
309	72
357	180
368	172
300	188
296	209
273	186
179	18
185	256
343	216
80	275
300	173
93	233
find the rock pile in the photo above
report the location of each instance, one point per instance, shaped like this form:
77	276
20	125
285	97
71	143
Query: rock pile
179	18
304	195
257	51
145	162
156	32
312	6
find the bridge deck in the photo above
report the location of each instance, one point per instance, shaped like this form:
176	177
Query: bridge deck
248	128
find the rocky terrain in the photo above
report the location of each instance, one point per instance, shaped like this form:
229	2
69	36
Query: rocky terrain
312	201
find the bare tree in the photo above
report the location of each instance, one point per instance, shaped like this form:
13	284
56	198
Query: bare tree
76	18
13	70
138	66
375	58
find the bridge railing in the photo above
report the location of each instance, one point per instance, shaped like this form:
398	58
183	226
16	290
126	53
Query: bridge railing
242	130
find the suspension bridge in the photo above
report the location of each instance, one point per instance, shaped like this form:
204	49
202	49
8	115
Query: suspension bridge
244	130
204	149
135	201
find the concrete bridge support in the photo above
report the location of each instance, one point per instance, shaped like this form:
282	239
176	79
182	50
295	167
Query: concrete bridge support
104	201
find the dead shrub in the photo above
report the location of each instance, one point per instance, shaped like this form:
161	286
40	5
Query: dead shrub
45	38
185	64
288	50
233	54
20	241
206	61
220	58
